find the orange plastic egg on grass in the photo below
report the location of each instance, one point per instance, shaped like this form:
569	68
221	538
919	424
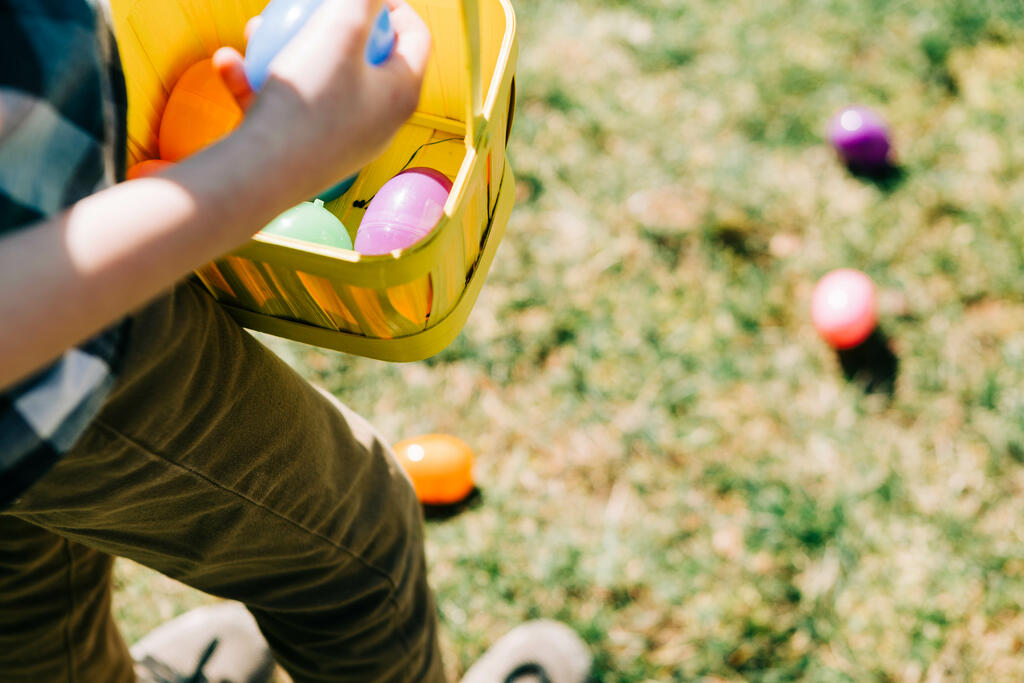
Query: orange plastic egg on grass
440	466
199	112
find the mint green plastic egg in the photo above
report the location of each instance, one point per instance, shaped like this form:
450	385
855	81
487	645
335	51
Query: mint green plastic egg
310	222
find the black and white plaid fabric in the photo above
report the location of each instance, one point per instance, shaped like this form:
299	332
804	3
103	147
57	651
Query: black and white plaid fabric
62	138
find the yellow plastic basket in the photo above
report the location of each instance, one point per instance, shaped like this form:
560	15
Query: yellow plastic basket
401	306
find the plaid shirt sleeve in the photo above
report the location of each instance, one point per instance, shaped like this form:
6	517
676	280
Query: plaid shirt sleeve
62	133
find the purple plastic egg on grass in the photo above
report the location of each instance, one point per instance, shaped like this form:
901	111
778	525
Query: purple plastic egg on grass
404	211
861	138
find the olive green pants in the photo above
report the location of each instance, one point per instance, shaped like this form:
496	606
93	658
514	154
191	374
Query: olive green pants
217	465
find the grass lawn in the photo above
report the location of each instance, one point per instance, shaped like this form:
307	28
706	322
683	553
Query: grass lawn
669	458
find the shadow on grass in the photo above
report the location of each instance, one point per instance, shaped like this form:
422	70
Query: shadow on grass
440	513
888	178
872	365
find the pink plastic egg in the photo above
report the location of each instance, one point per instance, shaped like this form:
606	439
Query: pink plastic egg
404	211
844	308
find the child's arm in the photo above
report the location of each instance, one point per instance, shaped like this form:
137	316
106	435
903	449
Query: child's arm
323	114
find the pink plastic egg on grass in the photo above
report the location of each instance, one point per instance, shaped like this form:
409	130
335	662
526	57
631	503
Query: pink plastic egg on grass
404	211
844	308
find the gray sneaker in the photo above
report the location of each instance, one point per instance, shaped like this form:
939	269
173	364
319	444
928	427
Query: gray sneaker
535	652
216	644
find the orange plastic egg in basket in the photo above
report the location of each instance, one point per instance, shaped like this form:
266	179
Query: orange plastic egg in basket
200	111
440	466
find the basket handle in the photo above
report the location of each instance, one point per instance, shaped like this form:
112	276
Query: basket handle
475	125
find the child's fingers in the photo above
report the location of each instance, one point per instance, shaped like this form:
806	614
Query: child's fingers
228	63
251	26
412	42
351	20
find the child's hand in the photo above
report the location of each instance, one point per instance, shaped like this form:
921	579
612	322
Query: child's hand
324	112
